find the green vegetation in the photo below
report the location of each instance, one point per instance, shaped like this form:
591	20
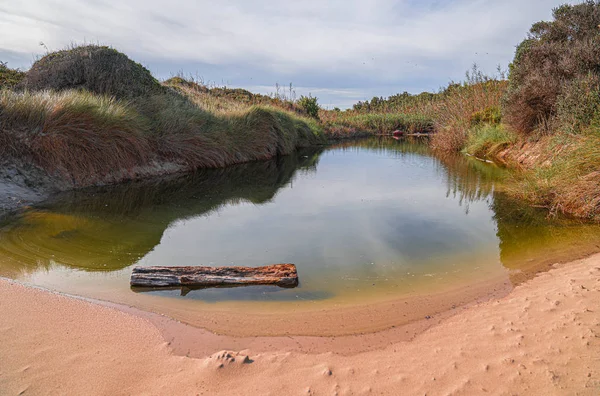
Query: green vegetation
9	78
554	98
543	120
310	105
90	115
352	124
569	182
551	112
554	81
488	139
489	116
451	112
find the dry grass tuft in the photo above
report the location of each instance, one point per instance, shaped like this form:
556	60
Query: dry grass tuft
567	181
89	139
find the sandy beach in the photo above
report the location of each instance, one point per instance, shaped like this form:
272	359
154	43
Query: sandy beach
543	338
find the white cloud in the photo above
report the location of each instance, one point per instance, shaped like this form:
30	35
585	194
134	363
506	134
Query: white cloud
347	45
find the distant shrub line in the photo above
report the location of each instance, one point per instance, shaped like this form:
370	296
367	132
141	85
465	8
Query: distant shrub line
544	118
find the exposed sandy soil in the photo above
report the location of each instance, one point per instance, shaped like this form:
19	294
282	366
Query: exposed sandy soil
543	339
22	185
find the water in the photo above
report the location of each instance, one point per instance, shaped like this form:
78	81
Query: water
364	222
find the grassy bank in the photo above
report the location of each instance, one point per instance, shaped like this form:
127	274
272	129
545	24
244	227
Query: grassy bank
90	115
551	114
544	119
451	112
125	125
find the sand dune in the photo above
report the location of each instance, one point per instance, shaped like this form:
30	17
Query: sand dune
541	339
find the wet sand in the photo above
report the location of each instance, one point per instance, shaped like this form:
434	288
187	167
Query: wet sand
542	338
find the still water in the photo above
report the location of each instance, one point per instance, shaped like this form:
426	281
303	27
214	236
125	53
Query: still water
365	221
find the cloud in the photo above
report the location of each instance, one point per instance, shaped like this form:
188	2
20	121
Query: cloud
373	47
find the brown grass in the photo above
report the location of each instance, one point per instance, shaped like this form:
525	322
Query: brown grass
560	172
450	113
91	139
455	113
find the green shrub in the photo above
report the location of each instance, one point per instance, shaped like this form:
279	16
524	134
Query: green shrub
9	78
488	139
310	105
578	106
98	69
491	115
548	61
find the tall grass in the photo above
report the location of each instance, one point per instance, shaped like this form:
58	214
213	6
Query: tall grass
341	125
450	112
75	134
88	139
569	181
487	140
455	115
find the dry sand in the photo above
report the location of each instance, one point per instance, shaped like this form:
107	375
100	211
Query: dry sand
541	339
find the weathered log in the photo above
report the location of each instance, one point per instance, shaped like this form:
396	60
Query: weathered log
282	275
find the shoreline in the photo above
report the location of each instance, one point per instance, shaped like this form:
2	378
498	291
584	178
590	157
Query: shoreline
544	335
200	339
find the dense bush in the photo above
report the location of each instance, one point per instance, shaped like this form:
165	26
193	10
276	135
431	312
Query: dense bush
555	71
9	77
490	115
402	101
310	105
578	106
98	69
354	124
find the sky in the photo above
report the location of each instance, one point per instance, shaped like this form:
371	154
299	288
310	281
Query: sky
341	51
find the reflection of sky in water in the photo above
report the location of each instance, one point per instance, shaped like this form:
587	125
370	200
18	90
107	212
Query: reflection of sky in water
371	220
361	218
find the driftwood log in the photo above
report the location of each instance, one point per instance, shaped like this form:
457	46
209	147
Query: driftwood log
282	275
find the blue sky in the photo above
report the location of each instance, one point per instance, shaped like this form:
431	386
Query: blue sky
340	51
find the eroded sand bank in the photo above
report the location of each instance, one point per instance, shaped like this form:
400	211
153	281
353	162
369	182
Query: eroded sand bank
543	338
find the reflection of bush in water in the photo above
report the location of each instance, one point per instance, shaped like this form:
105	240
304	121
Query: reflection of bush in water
387	145
531	241
113	227
469	179
466	178
194	194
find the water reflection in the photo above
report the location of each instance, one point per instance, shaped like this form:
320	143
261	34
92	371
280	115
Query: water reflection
375	217
111	228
